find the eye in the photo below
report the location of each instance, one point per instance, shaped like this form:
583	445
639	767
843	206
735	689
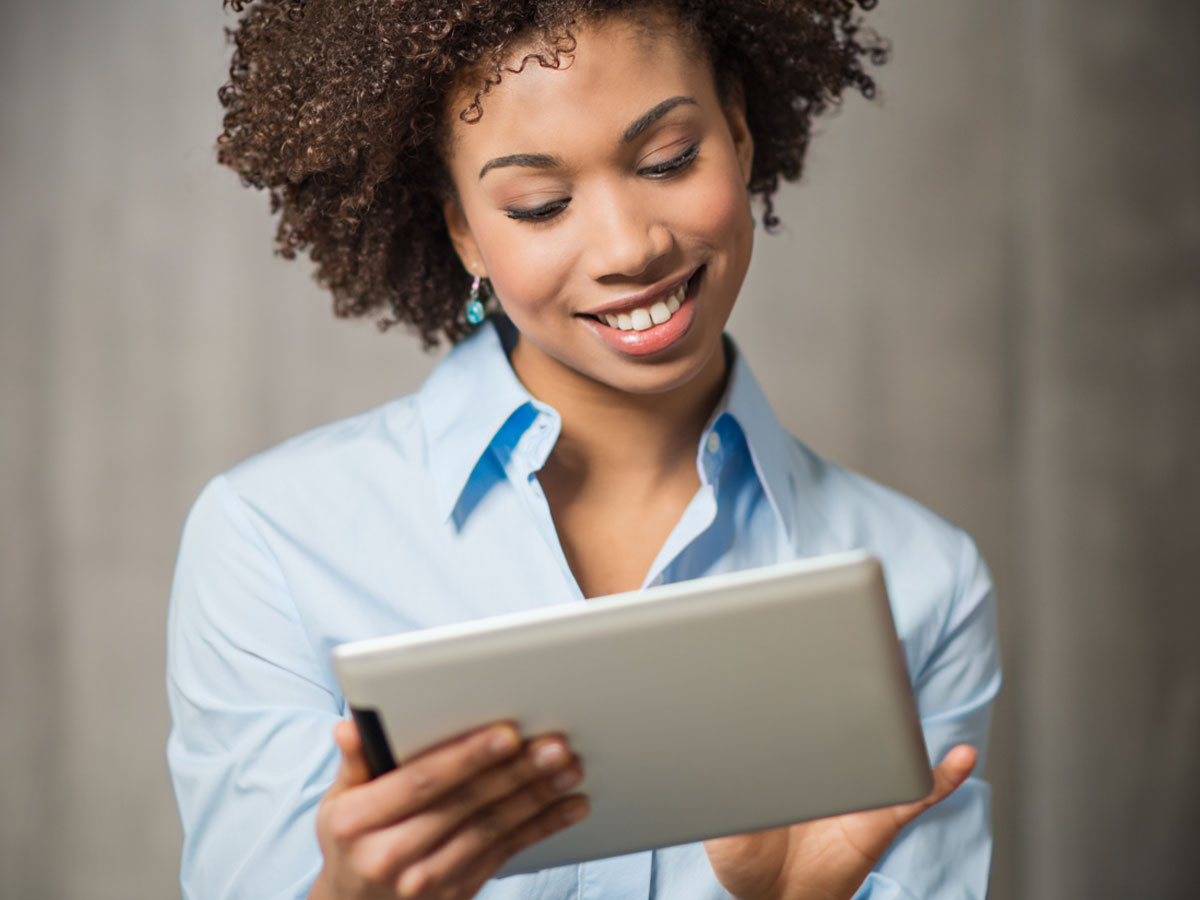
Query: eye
539	213
680	162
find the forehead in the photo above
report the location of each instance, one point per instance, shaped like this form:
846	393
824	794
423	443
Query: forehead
621	65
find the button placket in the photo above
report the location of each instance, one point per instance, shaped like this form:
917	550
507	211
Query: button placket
531	453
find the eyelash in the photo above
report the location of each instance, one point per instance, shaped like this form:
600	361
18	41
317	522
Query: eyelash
550	210
673	165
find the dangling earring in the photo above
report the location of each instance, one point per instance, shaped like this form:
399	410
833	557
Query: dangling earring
475	312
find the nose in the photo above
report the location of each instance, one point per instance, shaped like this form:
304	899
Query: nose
628	236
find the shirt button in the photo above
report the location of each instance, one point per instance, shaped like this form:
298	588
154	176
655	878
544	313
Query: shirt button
714	442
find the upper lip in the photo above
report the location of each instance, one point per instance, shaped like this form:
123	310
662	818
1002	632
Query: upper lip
660	291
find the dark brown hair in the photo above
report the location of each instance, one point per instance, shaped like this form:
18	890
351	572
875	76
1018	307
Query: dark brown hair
336	108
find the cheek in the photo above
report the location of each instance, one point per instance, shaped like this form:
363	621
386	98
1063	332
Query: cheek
716	213
527	266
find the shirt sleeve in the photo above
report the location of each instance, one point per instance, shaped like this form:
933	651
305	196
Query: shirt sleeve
251	748
945	853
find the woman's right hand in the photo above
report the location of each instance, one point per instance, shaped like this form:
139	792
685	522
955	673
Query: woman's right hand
444	822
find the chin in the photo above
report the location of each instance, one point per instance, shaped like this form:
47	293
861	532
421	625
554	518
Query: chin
662	376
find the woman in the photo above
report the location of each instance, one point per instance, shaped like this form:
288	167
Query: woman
588	171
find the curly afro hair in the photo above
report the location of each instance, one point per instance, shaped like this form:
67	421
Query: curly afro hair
336	108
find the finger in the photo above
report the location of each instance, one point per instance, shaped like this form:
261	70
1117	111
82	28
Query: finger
414	836
353	769
545	759
493	826
423	780
570	811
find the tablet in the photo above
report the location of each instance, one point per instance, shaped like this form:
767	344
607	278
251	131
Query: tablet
716	706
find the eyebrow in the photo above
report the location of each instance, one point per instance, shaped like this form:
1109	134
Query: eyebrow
653	116
532	160
547	161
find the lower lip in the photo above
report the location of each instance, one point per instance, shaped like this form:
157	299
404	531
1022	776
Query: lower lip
656	338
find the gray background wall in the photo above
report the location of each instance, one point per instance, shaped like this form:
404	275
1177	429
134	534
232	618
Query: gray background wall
987	296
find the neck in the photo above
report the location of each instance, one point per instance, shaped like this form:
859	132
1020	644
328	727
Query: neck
639	441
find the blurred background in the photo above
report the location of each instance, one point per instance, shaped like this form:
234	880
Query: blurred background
987	295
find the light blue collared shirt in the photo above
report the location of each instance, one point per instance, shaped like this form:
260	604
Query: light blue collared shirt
426	511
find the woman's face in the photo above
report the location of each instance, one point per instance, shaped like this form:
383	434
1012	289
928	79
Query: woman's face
607	203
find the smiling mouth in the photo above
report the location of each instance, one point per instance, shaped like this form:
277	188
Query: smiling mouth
647	315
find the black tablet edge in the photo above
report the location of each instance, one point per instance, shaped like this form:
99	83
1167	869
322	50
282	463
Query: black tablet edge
375	742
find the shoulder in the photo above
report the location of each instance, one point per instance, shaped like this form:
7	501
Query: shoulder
934	570
321	489
849	506
317	516
334	472
331	456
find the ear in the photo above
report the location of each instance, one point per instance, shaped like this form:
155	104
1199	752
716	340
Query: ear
462	238
735	118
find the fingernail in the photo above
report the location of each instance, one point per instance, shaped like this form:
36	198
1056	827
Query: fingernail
575	811
564	781
503	740
412	881
549	756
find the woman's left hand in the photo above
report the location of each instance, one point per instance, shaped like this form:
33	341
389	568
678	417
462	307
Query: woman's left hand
825	859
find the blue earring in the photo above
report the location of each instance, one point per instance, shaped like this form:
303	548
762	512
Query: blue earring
475	312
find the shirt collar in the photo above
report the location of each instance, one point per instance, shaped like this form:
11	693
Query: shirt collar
767	441
464	403
473	393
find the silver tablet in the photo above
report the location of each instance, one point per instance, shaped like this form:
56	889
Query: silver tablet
703	708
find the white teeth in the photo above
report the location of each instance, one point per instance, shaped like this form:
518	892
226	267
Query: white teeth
676	299
647	316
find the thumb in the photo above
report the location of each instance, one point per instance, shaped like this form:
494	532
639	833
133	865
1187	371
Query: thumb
354	769
950	773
